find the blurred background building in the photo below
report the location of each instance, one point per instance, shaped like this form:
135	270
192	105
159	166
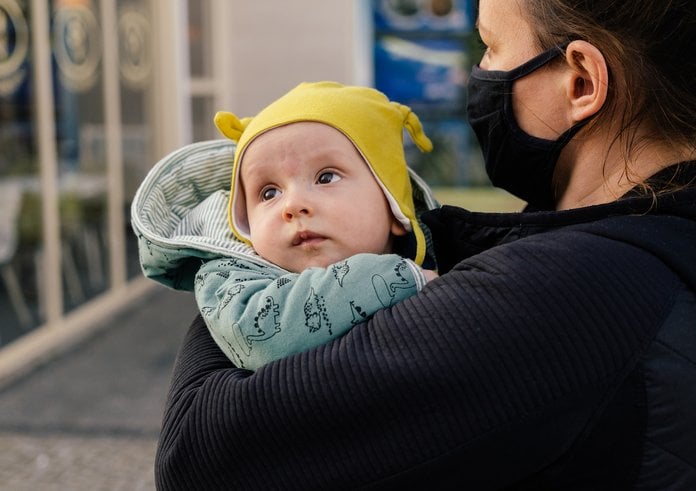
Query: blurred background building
94	92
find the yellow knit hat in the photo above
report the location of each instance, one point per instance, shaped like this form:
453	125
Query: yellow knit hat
365	116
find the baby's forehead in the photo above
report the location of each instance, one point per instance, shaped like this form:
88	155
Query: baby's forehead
304	141
298	129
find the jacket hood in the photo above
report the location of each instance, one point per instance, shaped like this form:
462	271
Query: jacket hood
179	213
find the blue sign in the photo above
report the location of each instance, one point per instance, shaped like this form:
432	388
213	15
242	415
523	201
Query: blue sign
427	74
421	59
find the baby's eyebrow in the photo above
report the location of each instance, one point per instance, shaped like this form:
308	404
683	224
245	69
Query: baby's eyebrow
252	173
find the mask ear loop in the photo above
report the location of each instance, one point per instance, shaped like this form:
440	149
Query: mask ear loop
524	69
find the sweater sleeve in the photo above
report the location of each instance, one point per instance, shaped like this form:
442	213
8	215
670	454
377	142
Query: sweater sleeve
488	375
256	316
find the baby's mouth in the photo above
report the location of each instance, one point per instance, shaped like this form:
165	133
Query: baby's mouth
307	237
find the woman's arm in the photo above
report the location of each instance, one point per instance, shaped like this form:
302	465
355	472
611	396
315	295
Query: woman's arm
486	376
256	315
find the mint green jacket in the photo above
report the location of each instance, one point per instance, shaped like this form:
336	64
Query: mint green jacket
256	311
257	315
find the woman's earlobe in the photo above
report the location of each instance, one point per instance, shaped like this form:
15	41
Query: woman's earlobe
587	92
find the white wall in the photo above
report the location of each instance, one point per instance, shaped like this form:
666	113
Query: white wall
273	45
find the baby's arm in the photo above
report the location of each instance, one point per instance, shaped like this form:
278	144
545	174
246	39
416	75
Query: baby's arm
257	316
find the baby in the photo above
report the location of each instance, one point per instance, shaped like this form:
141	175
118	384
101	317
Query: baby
321	191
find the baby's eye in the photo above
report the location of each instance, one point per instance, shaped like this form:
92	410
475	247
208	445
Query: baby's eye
269	193
328	177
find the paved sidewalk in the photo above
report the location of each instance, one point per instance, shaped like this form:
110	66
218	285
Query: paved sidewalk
89	419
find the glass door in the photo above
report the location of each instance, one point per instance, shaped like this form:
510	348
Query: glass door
20	203
77	42
136	89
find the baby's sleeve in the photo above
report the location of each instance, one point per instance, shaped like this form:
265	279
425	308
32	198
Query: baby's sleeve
257	315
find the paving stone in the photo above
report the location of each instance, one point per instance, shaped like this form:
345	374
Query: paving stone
89	420
75	463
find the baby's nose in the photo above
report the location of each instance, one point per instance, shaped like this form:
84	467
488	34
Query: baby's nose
296	205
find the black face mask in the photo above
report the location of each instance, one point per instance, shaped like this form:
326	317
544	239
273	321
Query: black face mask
515	161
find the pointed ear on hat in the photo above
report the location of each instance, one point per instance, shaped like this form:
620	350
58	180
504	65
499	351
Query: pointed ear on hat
415	128
230	125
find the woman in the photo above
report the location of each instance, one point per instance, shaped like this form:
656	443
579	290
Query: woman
558	348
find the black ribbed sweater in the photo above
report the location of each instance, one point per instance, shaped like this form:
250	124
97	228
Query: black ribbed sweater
521	366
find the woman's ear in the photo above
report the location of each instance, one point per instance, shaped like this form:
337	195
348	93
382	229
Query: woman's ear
588	85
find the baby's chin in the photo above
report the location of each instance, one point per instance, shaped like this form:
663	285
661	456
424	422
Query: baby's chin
313	262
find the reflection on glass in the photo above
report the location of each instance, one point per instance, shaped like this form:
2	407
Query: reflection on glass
77	54
199	38
20	202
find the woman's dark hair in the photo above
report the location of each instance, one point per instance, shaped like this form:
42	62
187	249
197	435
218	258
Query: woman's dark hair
648	47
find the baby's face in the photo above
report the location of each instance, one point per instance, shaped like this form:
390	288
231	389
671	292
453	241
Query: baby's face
311	199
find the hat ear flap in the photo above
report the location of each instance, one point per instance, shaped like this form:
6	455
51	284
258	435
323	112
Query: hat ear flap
230	125
415	128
